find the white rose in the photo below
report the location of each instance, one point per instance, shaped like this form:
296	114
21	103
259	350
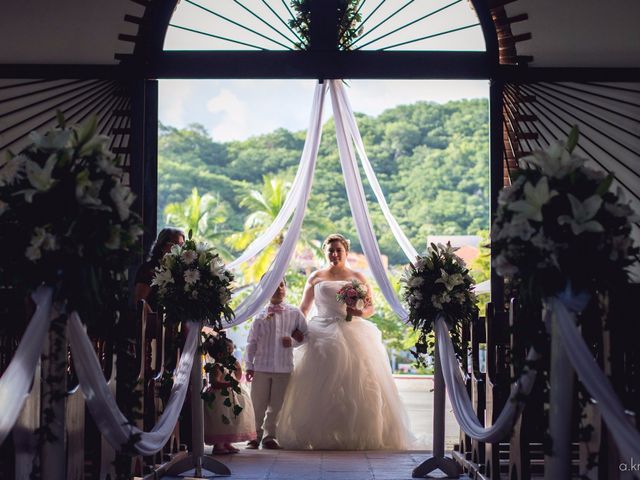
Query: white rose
360	304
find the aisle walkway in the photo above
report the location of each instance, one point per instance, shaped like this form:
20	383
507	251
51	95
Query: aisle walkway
296	465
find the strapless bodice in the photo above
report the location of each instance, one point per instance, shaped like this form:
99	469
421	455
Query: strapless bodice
325	298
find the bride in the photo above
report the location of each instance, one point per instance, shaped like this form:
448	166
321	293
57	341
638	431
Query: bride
341	395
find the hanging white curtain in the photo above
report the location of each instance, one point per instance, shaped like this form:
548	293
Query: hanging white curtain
301	183
16	379
267	285
111	422
358	204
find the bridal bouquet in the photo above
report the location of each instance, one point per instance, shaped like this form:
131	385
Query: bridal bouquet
66	220
438	283
559	225
354	295
193	284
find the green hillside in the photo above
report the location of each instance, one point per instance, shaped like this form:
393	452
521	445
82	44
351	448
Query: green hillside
432	161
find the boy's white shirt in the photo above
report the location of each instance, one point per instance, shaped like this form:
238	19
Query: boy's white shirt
265	352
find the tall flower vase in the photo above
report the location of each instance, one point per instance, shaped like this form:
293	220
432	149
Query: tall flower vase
196	459
558	464
438	461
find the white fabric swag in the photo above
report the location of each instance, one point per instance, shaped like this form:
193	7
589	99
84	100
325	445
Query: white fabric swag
111	422
595	381
16	379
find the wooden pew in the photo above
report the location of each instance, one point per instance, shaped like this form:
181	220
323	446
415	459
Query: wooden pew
478	389
497	385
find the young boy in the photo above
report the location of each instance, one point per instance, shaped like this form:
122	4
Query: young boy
269	362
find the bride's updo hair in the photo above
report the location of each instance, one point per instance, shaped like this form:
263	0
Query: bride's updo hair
336	237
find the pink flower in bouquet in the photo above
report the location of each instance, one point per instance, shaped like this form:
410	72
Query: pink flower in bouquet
354	295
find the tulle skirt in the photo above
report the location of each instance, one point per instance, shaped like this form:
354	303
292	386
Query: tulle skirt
342	395
240	428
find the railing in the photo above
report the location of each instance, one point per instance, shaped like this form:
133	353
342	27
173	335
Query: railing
87	454
504	335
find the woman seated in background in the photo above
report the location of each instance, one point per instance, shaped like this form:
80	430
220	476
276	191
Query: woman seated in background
142	290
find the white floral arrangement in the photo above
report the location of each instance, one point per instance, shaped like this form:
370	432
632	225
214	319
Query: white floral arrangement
560	226
438	283
194	285
66	219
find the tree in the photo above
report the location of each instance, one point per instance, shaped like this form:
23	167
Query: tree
263	207
204	215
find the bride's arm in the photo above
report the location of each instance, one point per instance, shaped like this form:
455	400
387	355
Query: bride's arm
307	295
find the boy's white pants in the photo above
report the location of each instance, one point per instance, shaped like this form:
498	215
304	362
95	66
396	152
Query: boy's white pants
267	396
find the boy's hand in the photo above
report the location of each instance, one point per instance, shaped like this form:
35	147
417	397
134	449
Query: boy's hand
286	342
249	375
297	335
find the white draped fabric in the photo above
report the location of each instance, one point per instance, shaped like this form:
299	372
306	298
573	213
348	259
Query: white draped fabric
595	381
16	379
349	120
265	288
113	425
462	407
358	203
301	183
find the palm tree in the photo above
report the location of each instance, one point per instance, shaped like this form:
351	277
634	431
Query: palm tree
205	215
264	206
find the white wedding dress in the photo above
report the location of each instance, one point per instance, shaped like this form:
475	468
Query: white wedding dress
341	395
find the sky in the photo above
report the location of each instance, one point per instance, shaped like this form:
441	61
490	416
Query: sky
238	109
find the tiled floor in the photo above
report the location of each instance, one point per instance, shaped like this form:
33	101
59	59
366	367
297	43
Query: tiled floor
297	465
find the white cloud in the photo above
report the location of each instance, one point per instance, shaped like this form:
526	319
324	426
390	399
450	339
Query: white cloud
232	116
174	97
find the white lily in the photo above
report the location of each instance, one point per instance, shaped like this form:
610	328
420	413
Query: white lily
122	197
518	227
620	245
555	161
33	253
534	199
88	192
583	213
447	249
53	140
39	177
114	240
176	250
450	281
135	231
162	277
10	169
415	282
504	267
107	165
96	145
